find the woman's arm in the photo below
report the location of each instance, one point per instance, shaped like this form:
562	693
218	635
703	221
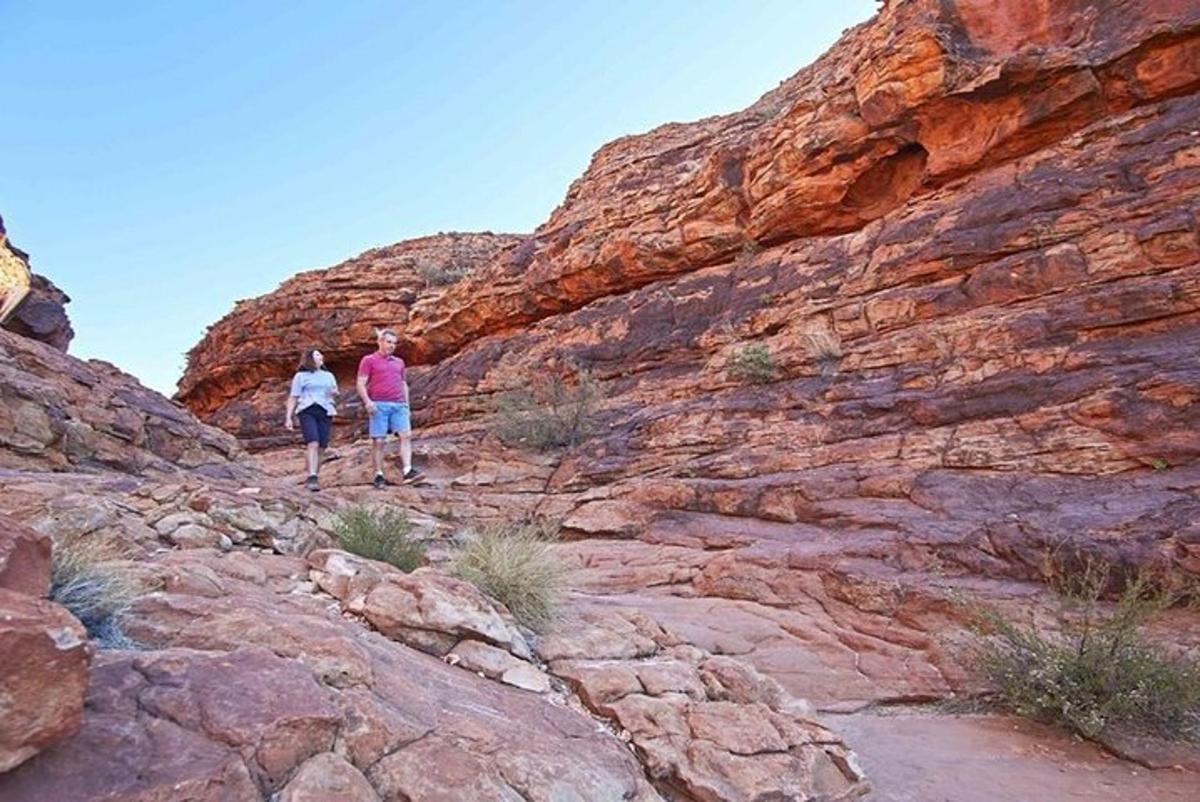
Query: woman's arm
293	396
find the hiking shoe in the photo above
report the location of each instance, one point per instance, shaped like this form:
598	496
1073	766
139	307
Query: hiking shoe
312	484
380	482
412	475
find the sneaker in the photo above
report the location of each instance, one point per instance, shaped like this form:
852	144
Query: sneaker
312	484
380	482
412	475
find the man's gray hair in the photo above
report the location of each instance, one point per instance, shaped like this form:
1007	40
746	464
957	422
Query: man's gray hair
385	333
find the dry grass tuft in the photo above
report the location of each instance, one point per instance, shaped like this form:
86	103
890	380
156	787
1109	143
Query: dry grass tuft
515	564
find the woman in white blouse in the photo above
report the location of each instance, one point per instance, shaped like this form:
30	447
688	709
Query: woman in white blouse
314	389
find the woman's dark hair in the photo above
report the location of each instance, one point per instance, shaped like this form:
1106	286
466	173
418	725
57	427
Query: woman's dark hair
306	360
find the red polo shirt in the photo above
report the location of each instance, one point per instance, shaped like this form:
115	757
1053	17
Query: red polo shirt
385	377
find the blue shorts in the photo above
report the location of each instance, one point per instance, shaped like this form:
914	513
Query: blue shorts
390	416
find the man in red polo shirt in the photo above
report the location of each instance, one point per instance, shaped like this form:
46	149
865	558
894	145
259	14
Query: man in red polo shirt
383	387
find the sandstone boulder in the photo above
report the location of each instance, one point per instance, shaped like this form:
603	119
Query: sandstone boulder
24	559
704	728
44	656
328	777
426	609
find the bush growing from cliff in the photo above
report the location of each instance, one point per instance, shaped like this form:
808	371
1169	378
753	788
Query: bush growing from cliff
824	346
442	275
1094	671
379	534
552	413
515	564
91	577
753	364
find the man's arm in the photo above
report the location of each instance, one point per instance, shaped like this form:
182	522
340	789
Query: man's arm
361	386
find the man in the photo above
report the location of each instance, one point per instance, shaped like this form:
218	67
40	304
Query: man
383	387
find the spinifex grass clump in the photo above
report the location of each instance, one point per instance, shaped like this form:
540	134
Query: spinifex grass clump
1094	671
824	347
379	534
553	412
753	364
515	564
91	577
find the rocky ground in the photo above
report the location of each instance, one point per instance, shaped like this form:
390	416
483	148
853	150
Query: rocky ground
966	241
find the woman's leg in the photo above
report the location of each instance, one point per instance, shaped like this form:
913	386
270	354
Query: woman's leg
324	431
312	457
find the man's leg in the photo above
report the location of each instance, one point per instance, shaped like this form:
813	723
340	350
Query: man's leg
403	427
406	451
377	454
377	427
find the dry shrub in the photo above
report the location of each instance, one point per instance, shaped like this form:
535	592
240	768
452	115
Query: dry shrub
91	576
442	275
553	412
824	347
1094	671
379	534
515	564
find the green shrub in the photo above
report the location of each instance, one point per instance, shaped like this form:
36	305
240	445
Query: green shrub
1094	671
442	275
515	564
552	413
384	535
754	364
91	577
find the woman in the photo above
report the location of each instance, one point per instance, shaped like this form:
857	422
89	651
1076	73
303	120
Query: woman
313	392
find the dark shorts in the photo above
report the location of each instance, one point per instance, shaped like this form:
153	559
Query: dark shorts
315	424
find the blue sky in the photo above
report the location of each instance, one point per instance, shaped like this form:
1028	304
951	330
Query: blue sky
162	160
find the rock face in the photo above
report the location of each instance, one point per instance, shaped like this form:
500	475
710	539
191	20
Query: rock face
974	254
42	314
961	249
324	709
237	376
708	728
60	413
964	244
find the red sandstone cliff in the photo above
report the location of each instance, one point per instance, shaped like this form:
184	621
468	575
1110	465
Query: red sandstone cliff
967	236
238	375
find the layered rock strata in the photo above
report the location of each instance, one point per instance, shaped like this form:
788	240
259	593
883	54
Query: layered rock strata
238	376
962	248
60	413
965	239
